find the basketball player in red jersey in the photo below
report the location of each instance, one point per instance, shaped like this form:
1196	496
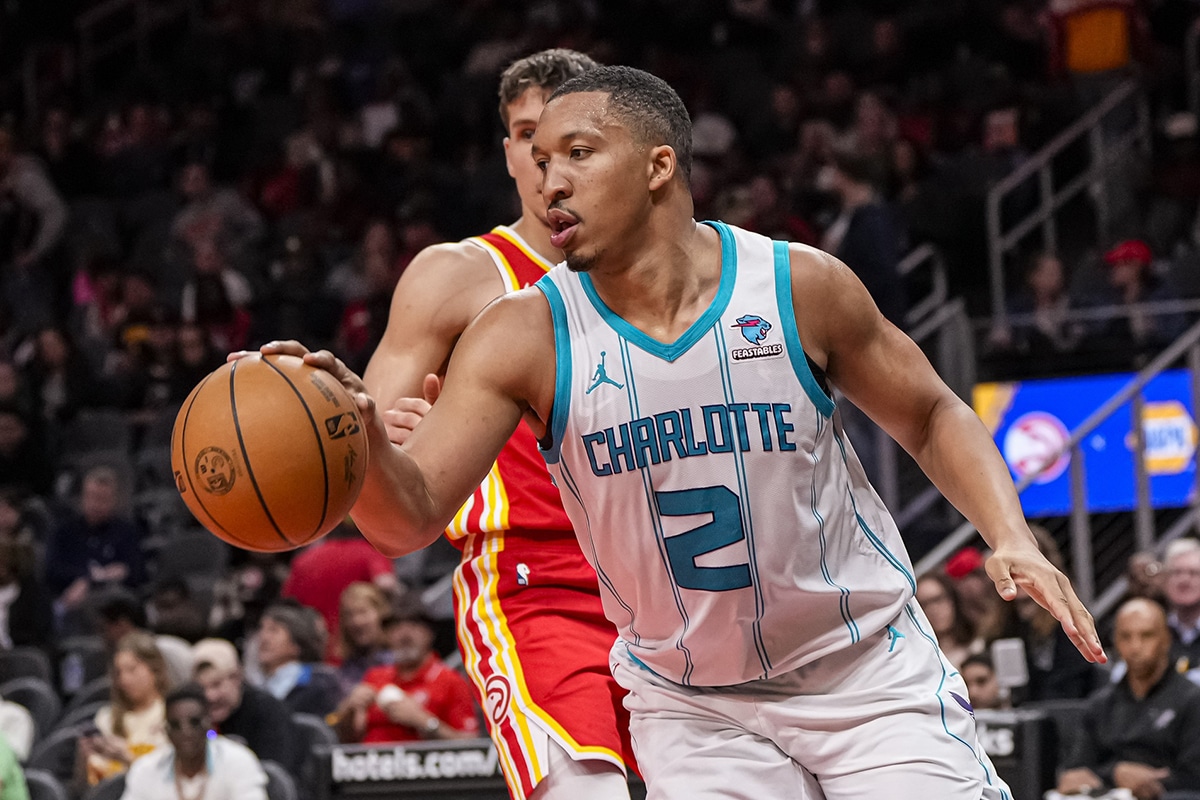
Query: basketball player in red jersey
531	629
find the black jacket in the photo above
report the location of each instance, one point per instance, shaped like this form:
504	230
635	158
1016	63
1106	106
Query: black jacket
1160	730
265	725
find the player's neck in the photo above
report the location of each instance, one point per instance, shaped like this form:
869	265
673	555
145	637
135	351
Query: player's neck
663	288
537	235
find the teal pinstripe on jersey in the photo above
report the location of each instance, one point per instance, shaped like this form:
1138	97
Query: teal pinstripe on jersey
733	529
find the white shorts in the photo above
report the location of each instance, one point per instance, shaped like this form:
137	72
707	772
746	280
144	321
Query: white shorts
885	717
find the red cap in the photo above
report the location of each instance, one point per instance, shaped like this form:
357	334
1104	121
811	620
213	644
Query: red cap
1129	250
964	562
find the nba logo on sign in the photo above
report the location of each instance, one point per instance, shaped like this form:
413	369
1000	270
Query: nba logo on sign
1035	444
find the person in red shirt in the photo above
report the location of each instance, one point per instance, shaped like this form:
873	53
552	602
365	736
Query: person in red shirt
415	697
322	572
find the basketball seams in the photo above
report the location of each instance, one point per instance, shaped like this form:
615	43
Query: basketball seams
237	426
320	445
274	507
188	473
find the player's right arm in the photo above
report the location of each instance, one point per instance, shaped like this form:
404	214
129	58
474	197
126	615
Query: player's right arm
438	295
501	369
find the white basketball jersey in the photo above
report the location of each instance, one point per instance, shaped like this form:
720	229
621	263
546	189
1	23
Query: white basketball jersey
731	524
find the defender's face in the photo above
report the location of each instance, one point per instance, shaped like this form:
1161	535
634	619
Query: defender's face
594	178
523	116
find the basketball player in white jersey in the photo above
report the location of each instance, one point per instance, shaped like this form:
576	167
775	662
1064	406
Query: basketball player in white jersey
531	624
678	377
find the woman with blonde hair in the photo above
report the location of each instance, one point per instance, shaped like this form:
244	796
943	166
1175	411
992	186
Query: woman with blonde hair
365	609
132	724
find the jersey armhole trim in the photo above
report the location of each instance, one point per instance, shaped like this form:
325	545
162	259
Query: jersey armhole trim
562	371
791	334
507	276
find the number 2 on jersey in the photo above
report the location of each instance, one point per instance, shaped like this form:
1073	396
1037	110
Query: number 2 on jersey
725	529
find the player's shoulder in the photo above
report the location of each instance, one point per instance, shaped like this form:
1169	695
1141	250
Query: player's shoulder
453	279
823	283
525	308
450	260
521	321
813	264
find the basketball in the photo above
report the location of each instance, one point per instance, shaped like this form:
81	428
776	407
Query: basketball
268	452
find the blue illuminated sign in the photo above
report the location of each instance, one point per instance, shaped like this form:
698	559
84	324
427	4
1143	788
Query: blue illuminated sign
1031	419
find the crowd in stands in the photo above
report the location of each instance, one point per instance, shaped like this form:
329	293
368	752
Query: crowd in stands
1133	725
274	168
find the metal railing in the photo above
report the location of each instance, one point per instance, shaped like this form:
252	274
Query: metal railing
1105	149
141	18
925	256
1081	534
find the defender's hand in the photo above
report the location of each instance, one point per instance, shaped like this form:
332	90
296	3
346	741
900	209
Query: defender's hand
402	418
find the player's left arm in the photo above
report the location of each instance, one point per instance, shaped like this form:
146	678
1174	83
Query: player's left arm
884	373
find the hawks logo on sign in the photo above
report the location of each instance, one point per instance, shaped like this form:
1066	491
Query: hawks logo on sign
340	426
1034	445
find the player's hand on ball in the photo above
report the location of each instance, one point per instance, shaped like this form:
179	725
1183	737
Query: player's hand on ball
406	412
1029	569
323	359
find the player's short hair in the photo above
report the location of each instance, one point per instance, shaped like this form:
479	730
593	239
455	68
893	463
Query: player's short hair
545	69
653	110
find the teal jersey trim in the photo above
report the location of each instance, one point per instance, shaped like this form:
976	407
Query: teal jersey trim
791	334
562	369
670	352
987	774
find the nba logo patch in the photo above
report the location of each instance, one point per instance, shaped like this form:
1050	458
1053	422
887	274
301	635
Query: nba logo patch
756	331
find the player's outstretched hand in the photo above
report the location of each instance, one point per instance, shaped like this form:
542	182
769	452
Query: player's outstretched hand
406	412
1028	568
321	359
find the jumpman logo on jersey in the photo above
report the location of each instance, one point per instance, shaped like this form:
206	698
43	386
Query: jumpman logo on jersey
895	636
601	376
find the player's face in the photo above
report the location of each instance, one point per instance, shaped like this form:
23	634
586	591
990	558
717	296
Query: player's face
595	179
523	116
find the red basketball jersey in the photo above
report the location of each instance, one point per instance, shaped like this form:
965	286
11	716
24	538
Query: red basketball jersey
517	493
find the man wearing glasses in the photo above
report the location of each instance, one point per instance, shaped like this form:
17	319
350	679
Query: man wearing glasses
199	763
1182	587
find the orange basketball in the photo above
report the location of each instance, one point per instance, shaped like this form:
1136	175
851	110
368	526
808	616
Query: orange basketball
269	453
